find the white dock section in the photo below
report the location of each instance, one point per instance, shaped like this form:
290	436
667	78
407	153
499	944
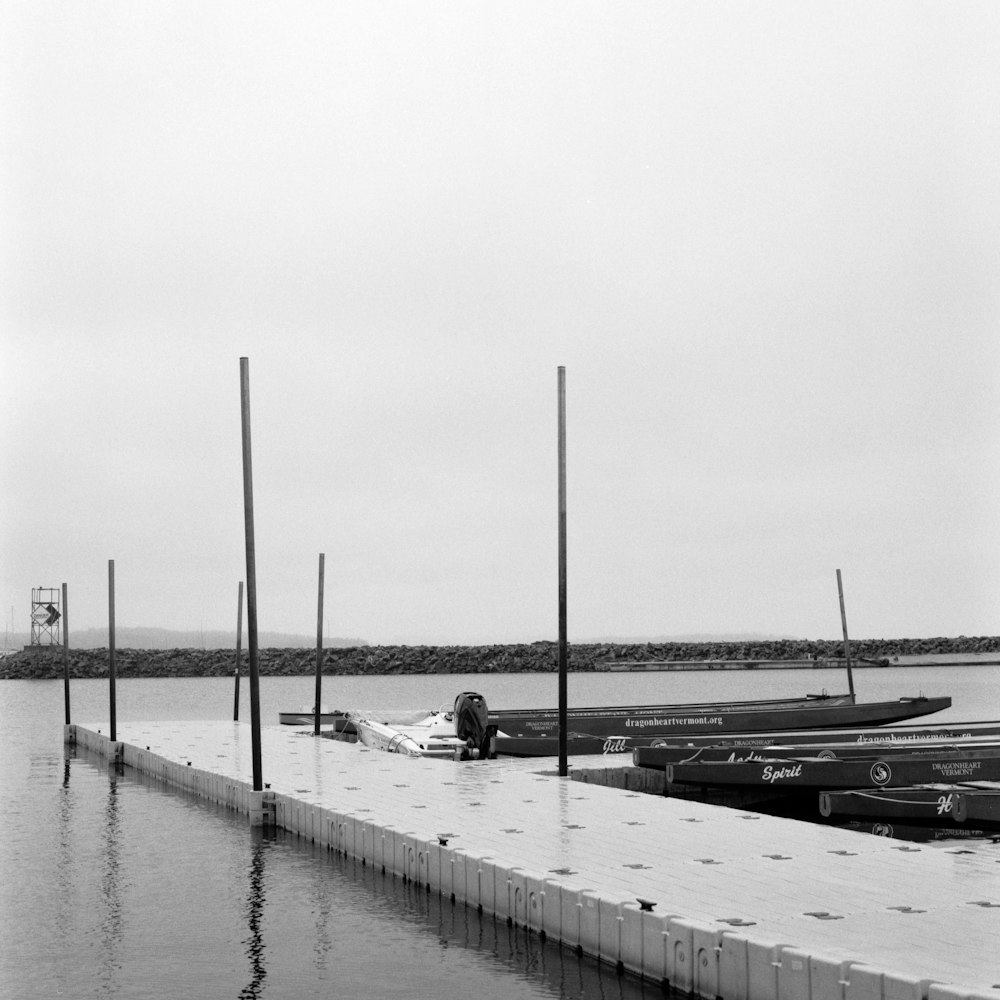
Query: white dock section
744	906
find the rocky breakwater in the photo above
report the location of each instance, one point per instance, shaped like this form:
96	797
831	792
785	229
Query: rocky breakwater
537	657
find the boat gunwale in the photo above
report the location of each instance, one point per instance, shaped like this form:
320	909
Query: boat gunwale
805	703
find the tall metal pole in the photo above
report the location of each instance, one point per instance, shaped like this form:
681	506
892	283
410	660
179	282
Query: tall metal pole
258	779
111	647
65	624
563	754
847	644
319	651
239	653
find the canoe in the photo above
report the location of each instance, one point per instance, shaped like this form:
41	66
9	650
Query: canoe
831	748
618	729
918	803
976	803
327	717
797	773
660	752
979	806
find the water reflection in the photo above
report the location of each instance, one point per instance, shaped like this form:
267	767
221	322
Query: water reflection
804	809
503	952
254	942
919	833
323	906
182	904
65	881
112	924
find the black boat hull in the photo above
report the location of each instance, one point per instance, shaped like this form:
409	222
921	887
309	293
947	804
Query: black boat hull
827	774
621	729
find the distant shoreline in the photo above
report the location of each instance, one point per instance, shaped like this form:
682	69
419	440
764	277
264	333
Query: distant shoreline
538	657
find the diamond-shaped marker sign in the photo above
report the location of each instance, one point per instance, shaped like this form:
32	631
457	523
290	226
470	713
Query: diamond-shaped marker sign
46	614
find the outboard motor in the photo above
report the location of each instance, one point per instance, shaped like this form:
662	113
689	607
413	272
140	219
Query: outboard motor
472	723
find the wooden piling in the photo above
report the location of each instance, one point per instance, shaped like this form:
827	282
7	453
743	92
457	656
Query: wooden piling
239	652
258	779
65	624
111	649
563	721
317	708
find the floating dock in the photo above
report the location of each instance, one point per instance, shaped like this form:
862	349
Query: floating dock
819	663
712	901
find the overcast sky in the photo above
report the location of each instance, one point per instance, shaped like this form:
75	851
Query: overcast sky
763	239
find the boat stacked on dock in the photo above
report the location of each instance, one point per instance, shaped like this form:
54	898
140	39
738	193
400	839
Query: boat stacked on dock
606	729
621	729
464	733
974	802
784	769
306	716
432	736
818	742
918	774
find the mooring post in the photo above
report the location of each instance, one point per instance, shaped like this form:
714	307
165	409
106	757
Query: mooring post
258	779
239	651
319	651
111	647
65	625
563	762
847	644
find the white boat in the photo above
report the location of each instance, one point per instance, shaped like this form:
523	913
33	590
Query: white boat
432	736
306	716
461	734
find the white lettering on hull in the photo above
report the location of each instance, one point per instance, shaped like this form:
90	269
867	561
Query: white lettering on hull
674	720
772	774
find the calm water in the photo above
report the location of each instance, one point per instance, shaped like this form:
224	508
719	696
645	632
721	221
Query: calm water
113	886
